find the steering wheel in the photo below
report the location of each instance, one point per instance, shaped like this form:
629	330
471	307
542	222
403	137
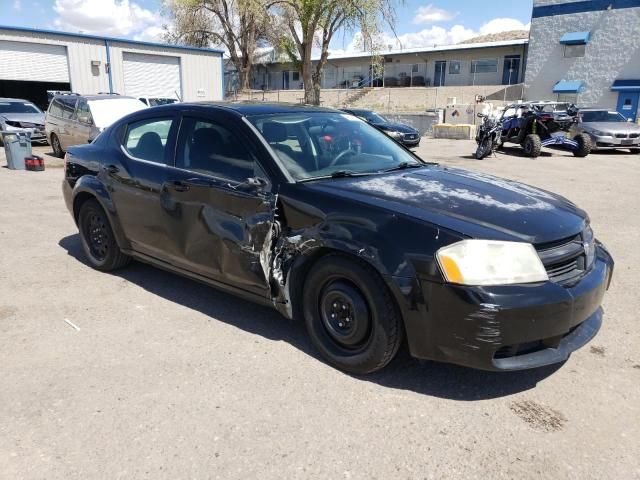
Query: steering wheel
342	154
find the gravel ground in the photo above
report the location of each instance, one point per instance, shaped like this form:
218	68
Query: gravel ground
167	378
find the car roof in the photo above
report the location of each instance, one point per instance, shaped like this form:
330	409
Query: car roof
249	109
103	97
14	100
595	109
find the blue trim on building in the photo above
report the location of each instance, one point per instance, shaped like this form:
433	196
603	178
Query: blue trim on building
111	39
575	38
567	86
582	7
106	46
626	86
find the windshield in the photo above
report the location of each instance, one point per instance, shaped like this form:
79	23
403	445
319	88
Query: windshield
154	102
602	116
107	111
371	117
317	144
18	107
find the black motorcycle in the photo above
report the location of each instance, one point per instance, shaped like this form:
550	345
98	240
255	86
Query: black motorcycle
488	136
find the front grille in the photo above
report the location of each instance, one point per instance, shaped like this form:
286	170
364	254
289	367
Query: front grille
634	135
410	136
621	135
565	260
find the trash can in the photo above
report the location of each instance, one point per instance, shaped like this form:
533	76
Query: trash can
17	146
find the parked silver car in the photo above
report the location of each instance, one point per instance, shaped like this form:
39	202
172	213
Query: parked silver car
77	119
608	130
17	114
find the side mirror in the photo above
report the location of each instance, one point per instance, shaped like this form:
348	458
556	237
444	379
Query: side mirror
252	184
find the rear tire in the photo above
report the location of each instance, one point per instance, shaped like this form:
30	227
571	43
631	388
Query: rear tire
98	242
584	145
532	145
350	315
57	147
484	148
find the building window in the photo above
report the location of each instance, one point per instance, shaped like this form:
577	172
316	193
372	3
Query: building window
484	65
295	76
574	51
568	97
414	68
454	67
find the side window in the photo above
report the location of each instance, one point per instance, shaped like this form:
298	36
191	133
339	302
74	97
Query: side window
83	113
55	109
68	108
212	149
147	139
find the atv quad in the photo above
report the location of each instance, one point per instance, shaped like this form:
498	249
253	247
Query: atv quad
534	125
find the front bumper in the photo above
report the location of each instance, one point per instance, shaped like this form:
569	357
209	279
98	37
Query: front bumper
411	142
608	142
508	327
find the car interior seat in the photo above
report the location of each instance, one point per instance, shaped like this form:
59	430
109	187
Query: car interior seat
149	147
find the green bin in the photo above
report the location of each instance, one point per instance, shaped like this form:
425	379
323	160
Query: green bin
17	146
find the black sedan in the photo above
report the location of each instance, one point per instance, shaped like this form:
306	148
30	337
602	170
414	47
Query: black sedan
408	136
319	215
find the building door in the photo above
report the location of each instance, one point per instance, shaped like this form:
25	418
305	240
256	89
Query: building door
511	70
285	80
151	75
628	104
441	72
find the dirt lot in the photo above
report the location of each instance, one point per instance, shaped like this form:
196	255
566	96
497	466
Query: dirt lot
166	378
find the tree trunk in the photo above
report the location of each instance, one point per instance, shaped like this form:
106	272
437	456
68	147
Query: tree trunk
311	94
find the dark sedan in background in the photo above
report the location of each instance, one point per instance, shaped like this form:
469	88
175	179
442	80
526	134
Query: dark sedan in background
321	216
608	130
18	115
405	134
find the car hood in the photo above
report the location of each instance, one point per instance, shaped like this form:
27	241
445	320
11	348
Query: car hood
37	118
613	127
473	204
396	127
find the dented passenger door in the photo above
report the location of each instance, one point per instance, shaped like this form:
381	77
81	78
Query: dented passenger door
218	205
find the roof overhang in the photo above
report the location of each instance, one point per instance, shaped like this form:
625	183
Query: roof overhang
567	86
575	38
626	86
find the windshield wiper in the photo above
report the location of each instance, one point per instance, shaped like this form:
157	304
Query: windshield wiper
404	166
337	174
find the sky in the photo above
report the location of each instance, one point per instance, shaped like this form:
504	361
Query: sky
419	23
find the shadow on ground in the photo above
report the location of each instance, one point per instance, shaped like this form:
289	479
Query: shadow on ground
404	373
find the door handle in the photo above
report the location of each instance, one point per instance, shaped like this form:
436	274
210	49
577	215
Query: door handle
112	169
179	186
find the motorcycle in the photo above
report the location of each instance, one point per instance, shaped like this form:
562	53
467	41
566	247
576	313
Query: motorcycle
488	137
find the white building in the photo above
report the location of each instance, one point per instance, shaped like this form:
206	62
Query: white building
34	61
586	52
490	63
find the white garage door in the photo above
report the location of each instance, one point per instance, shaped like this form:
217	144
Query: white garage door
151	75
37	62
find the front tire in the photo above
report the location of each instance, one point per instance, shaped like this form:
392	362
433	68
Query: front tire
484	148
350	315
532	145
584	145
56	146
98	241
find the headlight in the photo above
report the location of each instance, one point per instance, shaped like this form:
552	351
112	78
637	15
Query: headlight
490	262
11	128
394	134
600	133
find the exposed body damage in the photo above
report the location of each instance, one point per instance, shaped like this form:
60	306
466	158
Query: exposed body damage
266	239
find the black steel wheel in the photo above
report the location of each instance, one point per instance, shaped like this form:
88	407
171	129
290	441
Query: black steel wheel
350	315
97	238
57	147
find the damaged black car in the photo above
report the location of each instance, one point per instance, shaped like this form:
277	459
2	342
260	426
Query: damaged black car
322	216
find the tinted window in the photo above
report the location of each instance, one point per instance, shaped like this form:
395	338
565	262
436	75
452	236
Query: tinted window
56	108
68	106
147	139
210	148
83	111
602	116
18	107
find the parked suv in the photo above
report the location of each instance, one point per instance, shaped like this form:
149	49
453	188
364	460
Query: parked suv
77	119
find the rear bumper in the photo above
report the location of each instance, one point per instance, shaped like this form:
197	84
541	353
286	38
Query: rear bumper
508	327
